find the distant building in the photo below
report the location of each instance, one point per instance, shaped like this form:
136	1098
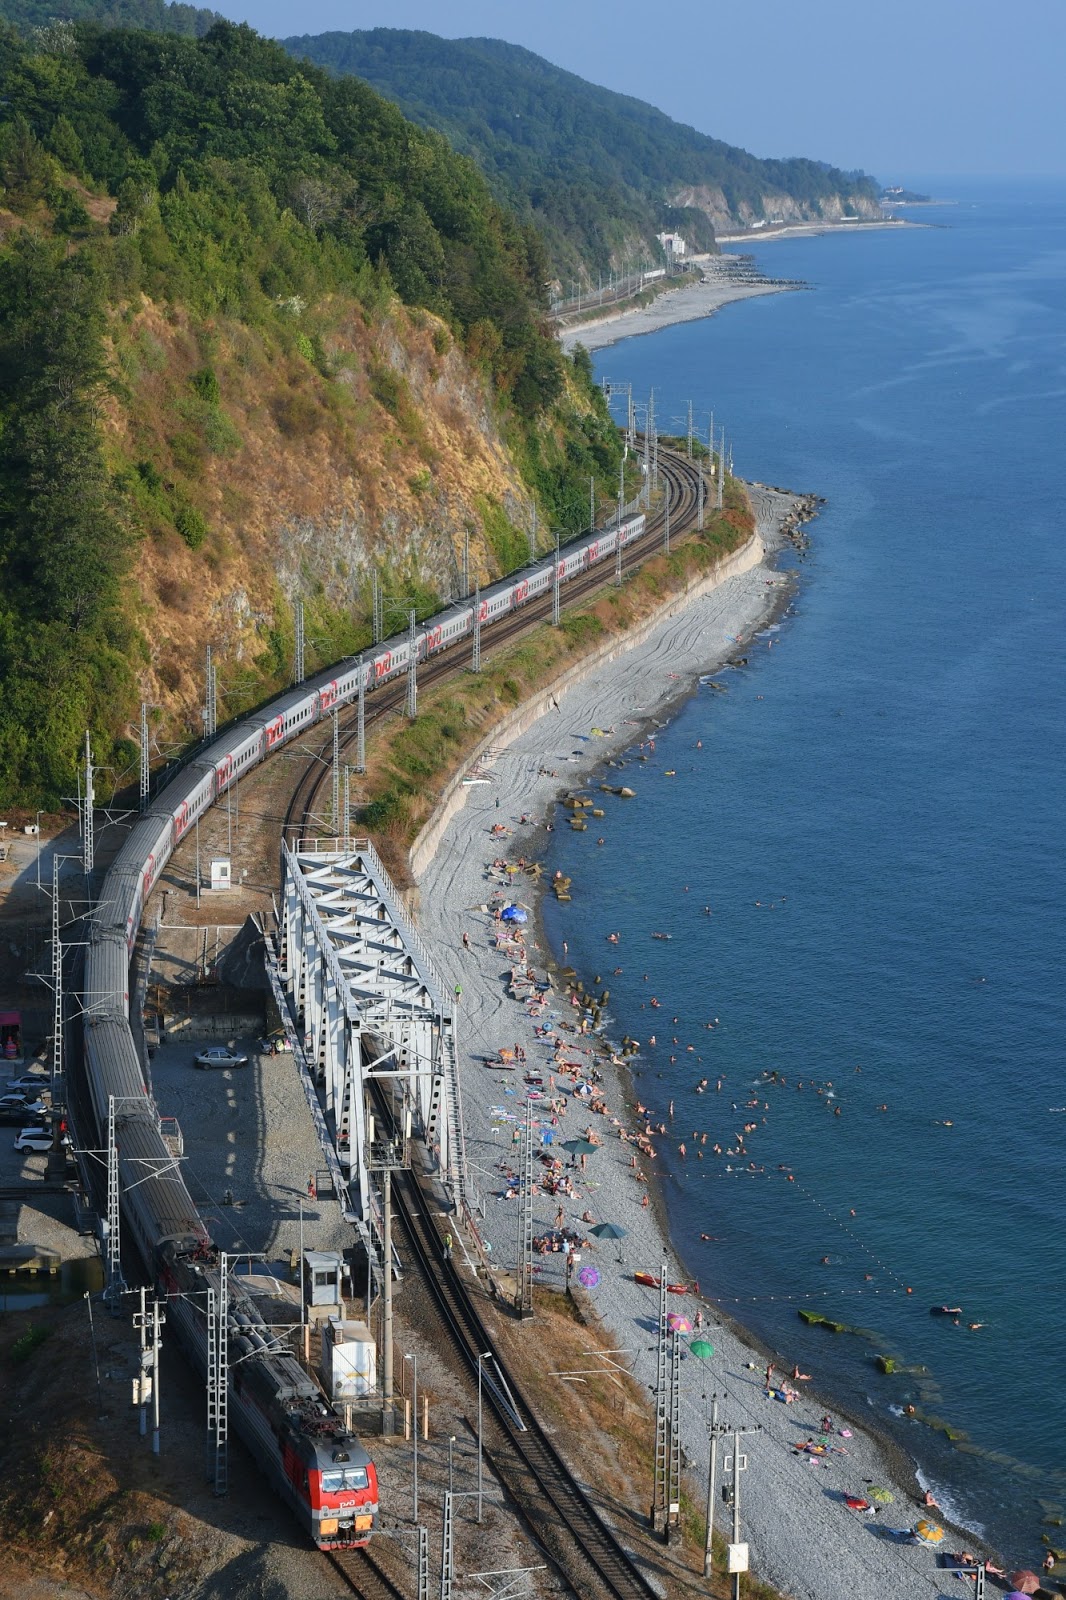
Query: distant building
674	246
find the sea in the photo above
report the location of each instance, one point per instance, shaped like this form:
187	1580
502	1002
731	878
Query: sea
855	843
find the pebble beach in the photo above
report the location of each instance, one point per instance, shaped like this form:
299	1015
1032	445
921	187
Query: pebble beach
515	1017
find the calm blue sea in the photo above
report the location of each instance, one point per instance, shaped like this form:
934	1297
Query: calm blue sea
876	820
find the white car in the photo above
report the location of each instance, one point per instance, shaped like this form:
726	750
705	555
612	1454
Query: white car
40	1139
218	1056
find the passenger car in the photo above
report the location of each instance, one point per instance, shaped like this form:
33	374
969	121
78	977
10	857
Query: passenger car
18	1108
37	1081
218	1056
35	1139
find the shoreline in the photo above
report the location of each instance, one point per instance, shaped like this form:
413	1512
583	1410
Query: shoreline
690	302
528	775
693	302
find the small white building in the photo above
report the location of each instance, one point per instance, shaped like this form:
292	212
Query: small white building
674	246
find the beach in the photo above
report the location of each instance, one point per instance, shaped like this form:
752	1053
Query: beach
720	287
803	1538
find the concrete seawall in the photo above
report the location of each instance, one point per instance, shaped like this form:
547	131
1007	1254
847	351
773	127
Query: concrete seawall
512	726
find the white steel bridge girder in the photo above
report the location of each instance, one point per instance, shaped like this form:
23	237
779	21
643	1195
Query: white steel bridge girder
361	984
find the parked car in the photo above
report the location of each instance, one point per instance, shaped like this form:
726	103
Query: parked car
19	1108
34	1081
218	1056
40	1139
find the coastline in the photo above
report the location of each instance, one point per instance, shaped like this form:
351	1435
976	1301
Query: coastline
693	302
690	303
527	771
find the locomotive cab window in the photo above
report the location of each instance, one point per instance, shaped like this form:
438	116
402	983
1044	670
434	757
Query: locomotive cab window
338	1478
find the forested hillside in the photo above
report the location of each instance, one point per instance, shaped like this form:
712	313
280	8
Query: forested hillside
155	16
259	336
600	172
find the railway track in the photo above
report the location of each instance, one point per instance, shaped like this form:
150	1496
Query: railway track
682	479
554	1506
363	1575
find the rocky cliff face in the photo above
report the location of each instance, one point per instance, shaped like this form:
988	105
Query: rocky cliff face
363	447
775	207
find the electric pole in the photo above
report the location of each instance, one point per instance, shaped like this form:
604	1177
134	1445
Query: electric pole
555	587
690	430
88	834
475	664
712	1473
116	1283
378	622
524	1297
57	983
299	642
412	668
335	797
360	738
738	1553
145	764
210	709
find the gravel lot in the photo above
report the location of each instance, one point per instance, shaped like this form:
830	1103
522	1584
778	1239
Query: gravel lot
247	1131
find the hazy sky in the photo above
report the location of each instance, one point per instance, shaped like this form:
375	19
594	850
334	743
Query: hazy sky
912	87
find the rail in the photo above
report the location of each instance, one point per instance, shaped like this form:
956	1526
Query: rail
537	1478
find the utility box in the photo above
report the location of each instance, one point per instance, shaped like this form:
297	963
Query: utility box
349	1360
322	1285
737	1558
220	872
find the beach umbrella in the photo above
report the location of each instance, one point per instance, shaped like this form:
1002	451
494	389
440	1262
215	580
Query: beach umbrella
1024	1581
702	1348
609	1230
884	1497
928	1532
588	1277
677	1323
580	1147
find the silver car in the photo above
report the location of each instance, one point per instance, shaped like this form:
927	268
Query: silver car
218	1056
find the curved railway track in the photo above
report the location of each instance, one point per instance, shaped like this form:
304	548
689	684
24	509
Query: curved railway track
556	1509
682	478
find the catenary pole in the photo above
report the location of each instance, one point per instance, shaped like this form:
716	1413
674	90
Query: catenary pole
712	1473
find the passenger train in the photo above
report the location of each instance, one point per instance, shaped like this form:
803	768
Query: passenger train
301	1443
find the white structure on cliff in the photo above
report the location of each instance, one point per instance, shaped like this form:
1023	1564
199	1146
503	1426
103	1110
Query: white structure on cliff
674	246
